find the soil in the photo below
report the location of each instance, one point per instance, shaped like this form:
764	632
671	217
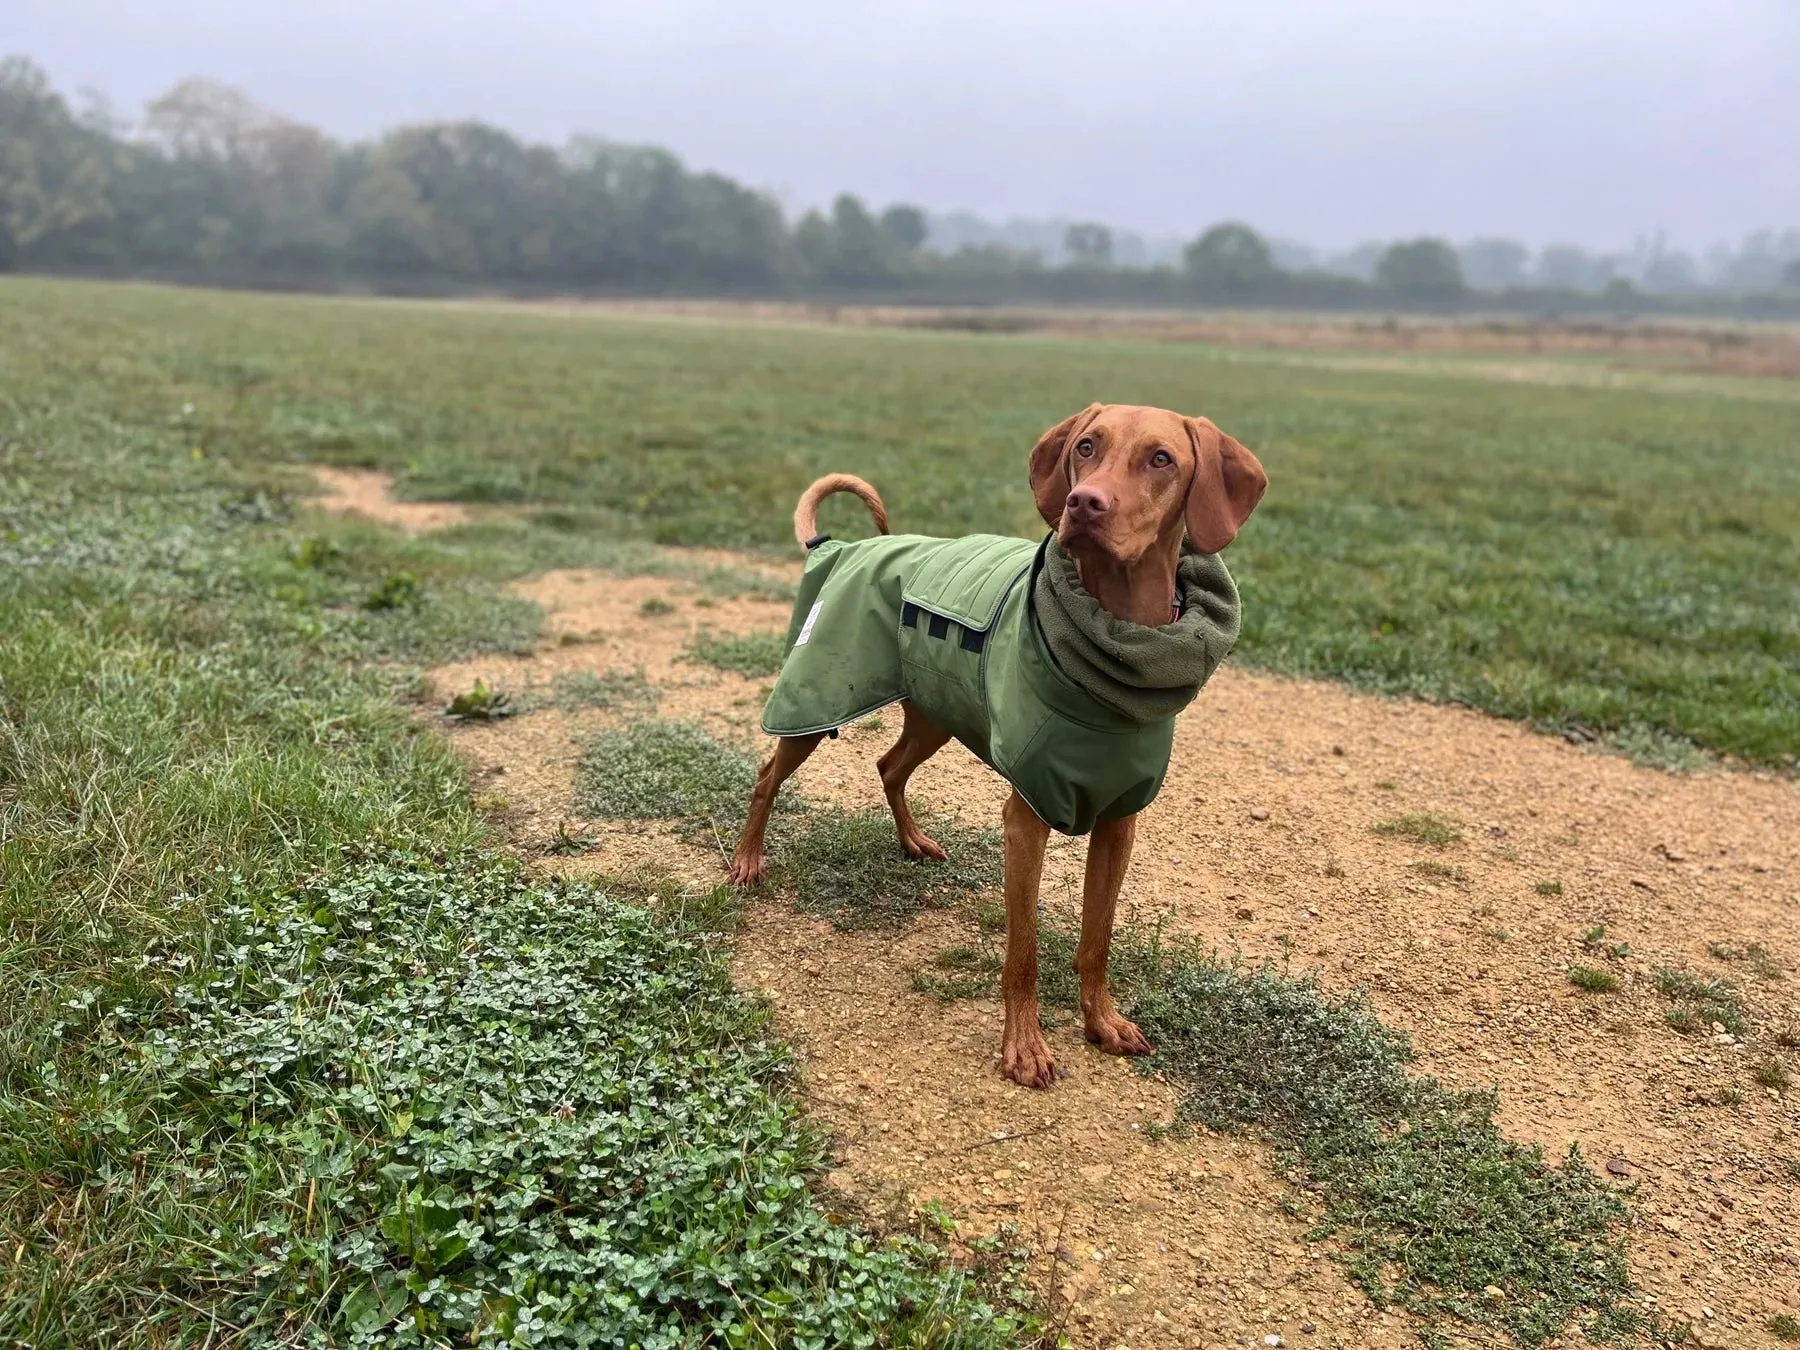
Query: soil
370	493
1262	842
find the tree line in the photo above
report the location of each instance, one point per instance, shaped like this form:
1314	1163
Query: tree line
209	186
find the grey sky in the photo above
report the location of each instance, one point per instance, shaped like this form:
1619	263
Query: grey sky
1328	121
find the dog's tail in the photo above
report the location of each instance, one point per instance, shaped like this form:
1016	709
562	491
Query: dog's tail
806	514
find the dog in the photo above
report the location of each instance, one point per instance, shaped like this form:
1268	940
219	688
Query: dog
1062	665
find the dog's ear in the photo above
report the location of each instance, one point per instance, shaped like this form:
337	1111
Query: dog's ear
1228	483
1050	465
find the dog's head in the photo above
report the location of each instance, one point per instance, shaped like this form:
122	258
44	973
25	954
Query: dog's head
1122	481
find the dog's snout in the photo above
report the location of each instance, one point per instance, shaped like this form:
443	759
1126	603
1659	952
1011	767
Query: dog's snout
1088	501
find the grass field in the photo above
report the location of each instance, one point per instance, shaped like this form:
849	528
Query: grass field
1615	561
211	798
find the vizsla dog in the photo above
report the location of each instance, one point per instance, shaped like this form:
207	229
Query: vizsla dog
1061	665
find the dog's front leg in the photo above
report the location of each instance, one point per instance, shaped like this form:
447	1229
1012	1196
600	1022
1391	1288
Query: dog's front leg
1024	1053
1109	854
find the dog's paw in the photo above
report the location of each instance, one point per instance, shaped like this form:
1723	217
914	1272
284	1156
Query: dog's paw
747	872
922	846
1117	1035
1025	1058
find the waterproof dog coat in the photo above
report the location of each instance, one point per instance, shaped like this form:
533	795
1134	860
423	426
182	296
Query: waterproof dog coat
1073	707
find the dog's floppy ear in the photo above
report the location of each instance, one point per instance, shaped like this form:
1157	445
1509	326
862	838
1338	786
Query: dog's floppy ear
1228	483
1050	465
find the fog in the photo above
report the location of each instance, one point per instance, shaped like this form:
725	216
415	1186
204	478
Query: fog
1592	123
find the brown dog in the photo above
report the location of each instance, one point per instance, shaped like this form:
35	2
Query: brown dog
1120	486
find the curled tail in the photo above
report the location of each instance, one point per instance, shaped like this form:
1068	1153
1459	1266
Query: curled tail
806	514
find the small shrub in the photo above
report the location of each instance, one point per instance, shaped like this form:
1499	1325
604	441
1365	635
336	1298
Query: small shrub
1784	1327
1438	871
655	608
1683	1019
480	704
1700	1003
399	590
313	552
1757	957
1592	980
1422	827
1772	1073
1548	887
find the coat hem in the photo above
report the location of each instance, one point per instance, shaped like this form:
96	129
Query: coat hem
830	726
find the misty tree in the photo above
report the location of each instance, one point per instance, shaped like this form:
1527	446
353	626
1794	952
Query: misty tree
211	186
53	172
860	251
1494	264
905	226
1421	269
1089	244
1568	267
1230	259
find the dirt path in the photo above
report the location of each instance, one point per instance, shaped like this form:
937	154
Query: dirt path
1263	840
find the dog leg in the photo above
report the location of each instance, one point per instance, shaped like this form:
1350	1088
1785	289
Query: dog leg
748	863
1024	1053
1109	854
920	739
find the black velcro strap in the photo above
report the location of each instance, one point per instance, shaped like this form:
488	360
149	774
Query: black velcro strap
939	626
815	541
973	639
909	615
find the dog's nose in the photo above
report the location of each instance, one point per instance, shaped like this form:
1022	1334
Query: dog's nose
1089	501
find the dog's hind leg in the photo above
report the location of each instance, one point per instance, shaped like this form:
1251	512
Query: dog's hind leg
749	863
920	739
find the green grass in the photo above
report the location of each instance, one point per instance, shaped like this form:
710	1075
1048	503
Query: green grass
1699	1003
617	690
1429	1199
753	655
202	732
849	867
1620	560
1437	871
219	1005
1423	827
1547	887
1772	1073
846	865
658	769
1757	957
482	1109
1593	979
1784	1326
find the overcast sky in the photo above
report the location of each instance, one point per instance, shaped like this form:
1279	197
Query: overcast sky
1326	121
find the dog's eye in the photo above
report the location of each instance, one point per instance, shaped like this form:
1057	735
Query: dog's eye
1084	447
1161	459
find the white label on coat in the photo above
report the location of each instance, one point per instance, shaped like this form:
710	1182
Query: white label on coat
812	617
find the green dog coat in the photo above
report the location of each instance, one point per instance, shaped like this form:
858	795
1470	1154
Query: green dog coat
994	640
